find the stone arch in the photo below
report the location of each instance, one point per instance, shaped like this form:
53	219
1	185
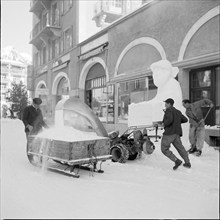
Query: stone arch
142	40
205	18
87	67
56	81
42	82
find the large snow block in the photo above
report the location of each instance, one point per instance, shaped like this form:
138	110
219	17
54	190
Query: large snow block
68	151
145	113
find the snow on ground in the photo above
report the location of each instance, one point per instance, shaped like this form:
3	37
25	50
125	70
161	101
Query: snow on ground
143	188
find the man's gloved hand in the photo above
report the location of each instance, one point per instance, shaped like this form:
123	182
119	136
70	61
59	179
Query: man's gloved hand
28	128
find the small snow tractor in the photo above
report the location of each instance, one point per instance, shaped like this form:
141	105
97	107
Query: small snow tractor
132	142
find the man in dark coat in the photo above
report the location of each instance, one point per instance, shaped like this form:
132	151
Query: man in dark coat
33	118
172	132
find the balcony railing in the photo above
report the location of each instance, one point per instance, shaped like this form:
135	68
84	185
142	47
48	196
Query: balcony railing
107	6
107	11
17	72
49	20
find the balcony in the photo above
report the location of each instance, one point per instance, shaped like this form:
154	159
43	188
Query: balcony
46	28
107	12
38	6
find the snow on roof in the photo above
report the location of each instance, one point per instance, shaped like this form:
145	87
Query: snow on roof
10	54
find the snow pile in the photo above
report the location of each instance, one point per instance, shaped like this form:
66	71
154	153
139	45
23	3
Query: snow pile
213	127
145	188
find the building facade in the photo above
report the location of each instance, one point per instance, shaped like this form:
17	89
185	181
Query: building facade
110	69
13	70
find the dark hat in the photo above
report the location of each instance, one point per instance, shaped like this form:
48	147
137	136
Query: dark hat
37	101
170	101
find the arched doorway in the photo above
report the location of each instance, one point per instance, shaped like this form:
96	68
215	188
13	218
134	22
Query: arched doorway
134	80
42	92
98	96
62	89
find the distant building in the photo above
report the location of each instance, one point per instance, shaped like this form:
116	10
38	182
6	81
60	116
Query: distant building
101	51
13	69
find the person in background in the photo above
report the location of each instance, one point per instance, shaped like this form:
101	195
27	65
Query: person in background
11	113
172	132
33	118
197	124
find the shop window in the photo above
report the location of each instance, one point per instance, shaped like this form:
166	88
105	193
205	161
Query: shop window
134	91
62	89
100	98
204	83
201	79
137	84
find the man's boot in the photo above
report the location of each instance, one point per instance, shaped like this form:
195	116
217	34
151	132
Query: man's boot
198	153
177	164
187	165
192	149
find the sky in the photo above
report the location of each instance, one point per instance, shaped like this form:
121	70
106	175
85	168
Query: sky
16	25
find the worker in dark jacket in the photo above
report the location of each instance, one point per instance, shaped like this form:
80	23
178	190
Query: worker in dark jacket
172	132
33	118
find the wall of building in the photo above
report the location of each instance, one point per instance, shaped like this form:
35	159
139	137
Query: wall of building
161	29
165	21
165	34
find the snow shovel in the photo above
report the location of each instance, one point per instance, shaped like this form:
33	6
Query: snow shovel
207	113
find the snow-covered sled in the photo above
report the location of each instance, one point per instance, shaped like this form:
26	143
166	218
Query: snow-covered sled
66	157
81	142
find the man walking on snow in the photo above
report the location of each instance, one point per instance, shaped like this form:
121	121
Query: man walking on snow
197	124
173	131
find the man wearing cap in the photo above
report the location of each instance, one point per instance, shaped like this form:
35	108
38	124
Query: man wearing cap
33	118
172	132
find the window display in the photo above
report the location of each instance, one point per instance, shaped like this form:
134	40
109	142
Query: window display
134	91
100	98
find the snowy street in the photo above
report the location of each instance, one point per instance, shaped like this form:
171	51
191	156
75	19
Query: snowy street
144	188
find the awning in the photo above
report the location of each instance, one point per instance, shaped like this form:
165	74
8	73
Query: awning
93	52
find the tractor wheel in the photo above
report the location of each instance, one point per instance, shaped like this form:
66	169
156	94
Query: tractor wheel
119	153
132	156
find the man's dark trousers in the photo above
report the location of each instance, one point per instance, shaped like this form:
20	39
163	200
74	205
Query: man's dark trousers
174	139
